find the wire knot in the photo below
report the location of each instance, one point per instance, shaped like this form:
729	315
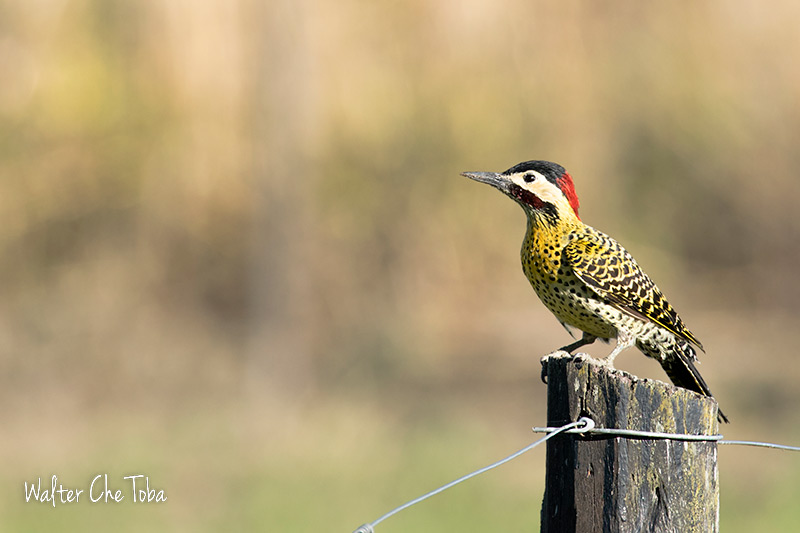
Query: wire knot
586	424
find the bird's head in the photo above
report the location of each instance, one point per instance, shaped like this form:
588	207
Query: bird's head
543	189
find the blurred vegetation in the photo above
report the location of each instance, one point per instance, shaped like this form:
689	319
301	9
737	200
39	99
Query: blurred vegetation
237	255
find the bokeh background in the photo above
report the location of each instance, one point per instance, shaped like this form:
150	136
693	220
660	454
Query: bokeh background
236	254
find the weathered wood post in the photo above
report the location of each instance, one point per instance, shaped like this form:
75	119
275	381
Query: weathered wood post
623	484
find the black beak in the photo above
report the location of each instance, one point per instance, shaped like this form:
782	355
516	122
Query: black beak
492	178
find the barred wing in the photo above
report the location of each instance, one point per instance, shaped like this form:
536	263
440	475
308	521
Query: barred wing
613	275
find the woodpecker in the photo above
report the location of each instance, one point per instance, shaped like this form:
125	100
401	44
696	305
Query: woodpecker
590	282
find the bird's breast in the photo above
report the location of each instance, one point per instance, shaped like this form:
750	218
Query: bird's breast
566	296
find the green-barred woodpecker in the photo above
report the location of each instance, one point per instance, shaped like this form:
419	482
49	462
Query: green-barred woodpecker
590	282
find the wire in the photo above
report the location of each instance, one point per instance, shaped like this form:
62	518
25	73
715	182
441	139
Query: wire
584	426
592	429
762	445
369	527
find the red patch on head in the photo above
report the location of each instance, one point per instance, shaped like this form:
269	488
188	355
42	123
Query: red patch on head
568	188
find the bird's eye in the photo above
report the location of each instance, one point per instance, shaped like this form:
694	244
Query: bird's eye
529	177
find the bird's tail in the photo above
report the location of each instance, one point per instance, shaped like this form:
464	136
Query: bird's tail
679	366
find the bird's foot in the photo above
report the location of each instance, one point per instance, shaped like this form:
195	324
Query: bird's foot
583	341
624	340
608	361
556	354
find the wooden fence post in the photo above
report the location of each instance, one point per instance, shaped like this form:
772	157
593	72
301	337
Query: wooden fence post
620	484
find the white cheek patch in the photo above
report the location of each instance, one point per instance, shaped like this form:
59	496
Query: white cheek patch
542	188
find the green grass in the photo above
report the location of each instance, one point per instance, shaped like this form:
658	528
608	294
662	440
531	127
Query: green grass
333	471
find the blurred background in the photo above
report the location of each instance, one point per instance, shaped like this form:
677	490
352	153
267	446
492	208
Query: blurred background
236	254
